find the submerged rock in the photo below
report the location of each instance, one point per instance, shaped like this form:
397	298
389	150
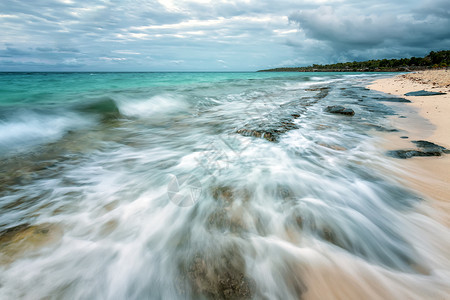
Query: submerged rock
18	240
228	216
337	109
219	276
322	92
270	136
278	122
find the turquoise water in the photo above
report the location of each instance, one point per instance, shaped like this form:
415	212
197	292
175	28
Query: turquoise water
62	87
40	107
207	186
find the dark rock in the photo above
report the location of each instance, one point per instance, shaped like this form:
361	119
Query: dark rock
424	93
289	125
277	122
429	146
322	92
269	134
425	149
409	153
337	109
319	89
249	132
404	137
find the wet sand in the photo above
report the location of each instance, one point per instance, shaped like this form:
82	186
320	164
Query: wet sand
427	118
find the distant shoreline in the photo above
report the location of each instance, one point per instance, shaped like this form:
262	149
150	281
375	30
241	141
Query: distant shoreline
433	60
337	70
397	70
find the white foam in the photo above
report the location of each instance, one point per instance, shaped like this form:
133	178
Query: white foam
156	105
32	128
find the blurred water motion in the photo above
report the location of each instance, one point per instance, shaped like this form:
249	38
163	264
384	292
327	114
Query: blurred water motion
207	186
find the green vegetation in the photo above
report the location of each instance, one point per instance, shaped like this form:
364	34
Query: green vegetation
440	59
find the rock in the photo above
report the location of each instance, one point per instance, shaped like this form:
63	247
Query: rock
249	132
409	153
278	122
223	194
430	147
323	92
270	136
220	275
425	149
226	216
424	93
337	109
17	241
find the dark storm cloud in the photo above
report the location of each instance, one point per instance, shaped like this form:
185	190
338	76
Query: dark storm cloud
355	33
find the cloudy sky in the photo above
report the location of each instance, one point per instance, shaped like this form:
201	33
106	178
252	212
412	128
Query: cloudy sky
214	35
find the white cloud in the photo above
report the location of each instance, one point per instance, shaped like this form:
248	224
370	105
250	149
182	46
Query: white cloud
199	34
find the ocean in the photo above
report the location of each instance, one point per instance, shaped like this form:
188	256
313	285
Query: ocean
208	186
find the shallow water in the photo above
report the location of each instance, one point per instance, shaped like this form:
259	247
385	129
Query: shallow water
207	185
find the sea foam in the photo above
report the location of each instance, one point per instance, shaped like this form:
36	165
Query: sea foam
158	105
29	128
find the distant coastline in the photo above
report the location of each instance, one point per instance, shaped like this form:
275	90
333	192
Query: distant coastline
433	60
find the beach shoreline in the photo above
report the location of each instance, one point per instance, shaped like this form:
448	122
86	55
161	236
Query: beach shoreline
424	118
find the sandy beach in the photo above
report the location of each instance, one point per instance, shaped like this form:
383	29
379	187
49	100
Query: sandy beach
425	118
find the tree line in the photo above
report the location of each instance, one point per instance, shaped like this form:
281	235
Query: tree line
439	59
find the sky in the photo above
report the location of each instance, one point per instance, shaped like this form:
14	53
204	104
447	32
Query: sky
214	35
